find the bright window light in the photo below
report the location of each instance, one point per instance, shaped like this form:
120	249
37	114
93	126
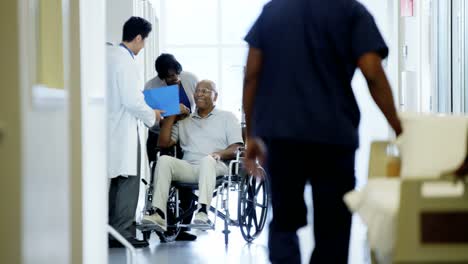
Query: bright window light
206	37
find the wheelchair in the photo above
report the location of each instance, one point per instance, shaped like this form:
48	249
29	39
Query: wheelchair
252	203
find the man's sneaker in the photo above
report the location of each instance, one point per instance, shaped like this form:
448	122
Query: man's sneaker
156	221
201	218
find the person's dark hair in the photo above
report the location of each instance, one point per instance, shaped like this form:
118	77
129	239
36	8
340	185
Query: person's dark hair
136	26
166	62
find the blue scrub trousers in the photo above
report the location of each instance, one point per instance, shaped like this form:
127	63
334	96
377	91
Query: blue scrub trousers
330	171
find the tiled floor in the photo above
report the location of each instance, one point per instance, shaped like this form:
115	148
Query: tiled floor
210	247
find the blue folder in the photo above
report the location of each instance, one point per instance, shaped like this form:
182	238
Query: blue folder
164	98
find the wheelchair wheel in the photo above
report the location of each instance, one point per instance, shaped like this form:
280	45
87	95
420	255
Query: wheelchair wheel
253	203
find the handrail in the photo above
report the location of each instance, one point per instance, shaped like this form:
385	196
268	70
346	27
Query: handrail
131	253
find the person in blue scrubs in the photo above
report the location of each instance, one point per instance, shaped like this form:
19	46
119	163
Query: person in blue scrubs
298	96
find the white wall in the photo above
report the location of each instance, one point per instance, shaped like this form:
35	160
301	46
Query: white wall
45	189
50	195
117	12
415	64
46	210
93	83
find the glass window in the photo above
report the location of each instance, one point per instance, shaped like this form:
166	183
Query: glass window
206	36
191	22
233	61
450	51
464	94
203	62
442	17
237	17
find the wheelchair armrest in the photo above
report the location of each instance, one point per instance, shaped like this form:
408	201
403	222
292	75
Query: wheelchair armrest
240	152
170	151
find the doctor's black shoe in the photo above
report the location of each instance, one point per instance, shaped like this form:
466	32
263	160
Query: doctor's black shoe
185	236
135	243
138	243
115	244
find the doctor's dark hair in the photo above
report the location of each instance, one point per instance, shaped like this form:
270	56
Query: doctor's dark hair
136	26
166	62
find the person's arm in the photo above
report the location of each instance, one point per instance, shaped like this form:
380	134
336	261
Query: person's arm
165	135
227	154
252	75
371	66
255	147
156	127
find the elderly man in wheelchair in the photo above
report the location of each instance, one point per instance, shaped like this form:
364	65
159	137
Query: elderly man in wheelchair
209	139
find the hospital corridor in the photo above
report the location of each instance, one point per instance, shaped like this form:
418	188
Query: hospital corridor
234	131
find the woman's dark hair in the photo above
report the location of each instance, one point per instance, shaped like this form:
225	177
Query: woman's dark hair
136	26
166	62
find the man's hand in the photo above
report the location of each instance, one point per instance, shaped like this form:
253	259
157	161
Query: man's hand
379	87
256	150
158	113
216	156
184	112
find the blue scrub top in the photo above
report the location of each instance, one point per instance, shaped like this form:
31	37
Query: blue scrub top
310	51
183	98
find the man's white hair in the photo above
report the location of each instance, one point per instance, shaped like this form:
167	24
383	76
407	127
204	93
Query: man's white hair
208	83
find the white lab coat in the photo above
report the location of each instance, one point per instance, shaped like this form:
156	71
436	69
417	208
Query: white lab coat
127	110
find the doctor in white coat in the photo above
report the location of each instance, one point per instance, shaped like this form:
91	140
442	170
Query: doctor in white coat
128	114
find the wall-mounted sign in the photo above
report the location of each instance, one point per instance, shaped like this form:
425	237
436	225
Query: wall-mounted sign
406	7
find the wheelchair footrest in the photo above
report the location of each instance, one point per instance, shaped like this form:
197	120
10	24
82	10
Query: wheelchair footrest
201	226
146	227
149	227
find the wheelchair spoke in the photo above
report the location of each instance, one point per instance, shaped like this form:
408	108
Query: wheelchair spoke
258	188
249	225
251	191
252	204
251	187
254	216
248	211
256	203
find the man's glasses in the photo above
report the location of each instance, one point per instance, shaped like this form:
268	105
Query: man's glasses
203	91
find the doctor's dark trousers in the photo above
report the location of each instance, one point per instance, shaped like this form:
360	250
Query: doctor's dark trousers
123	201
330	171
